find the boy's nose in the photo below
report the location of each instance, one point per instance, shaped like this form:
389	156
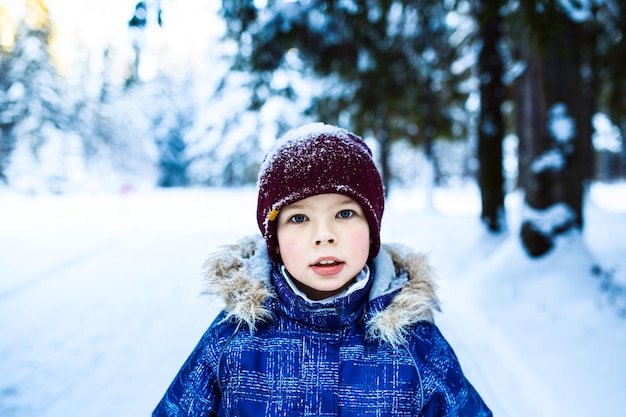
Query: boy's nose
324	235
329	240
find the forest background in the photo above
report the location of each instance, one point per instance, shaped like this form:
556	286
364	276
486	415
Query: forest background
514	95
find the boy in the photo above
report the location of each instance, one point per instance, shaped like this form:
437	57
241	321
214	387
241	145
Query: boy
319	319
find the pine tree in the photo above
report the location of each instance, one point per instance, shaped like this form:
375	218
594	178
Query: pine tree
172	115
385	65
10	111
32	105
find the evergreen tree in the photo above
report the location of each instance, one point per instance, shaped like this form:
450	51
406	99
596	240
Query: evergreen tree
32	104
172	113
386	64
173	162
11	111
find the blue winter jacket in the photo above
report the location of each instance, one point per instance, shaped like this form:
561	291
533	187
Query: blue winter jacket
375	352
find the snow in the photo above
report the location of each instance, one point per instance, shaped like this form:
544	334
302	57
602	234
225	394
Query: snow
550	219
100	305
296	141
551	159
578	11
606	136
562	126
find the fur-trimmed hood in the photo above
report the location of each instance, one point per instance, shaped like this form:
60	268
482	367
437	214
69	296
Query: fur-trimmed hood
240	275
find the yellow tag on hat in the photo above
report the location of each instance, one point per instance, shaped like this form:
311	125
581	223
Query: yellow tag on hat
273	214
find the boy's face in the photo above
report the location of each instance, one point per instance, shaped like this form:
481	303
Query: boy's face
324	242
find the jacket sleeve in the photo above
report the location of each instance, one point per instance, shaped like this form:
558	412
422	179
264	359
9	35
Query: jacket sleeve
447	393
194	392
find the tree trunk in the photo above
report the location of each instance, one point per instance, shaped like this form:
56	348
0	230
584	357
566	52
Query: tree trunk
491	124
382	135
554	127
622	164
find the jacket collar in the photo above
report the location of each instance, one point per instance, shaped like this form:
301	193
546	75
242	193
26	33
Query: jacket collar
361	280
401	293
333	313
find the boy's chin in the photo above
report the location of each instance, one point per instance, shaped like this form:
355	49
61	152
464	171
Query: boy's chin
321	293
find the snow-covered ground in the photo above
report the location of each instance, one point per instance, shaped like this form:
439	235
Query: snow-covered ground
100	305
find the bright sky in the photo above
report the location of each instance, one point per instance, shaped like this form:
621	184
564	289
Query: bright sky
96	24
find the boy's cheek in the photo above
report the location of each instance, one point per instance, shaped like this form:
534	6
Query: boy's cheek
290	247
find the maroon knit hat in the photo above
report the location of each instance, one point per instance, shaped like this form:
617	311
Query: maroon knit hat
318	159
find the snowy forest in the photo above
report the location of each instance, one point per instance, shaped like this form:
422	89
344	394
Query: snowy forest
127	126
526	95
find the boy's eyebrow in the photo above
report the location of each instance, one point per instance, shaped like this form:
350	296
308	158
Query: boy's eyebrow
299	205
343	202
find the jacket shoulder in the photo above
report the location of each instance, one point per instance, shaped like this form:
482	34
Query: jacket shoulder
407	280
239	275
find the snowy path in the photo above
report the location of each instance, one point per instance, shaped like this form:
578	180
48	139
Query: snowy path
98	314
98	335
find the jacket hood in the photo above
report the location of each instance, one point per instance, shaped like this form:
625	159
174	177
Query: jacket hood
402	294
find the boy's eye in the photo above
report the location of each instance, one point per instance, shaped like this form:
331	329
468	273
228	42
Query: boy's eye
345	214
298	218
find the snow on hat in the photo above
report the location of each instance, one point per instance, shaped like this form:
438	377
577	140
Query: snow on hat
318	159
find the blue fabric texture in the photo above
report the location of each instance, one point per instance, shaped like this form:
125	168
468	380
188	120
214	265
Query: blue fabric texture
314	359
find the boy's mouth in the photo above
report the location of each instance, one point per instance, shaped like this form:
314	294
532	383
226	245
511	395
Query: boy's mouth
328	266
